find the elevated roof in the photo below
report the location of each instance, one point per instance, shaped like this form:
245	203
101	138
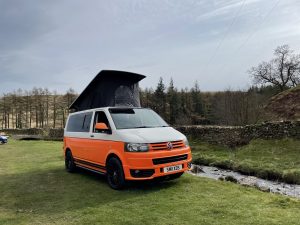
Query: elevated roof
110	88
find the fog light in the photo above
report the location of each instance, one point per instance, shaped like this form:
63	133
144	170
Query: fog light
141	173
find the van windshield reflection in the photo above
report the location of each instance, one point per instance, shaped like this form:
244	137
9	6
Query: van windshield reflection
134	118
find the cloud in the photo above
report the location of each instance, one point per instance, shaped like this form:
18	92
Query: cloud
22	23
64	43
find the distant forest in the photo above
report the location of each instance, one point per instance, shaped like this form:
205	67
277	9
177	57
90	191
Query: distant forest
42	108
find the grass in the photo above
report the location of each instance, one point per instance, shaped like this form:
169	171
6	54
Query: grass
35	189
269	159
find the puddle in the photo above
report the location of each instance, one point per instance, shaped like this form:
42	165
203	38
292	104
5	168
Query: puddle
292	190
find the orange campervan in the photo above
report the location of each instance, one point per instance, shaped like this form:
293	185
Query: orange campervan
111	134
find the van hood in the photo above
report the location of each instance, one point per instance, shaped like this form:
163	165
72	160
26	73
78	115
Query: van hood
150	135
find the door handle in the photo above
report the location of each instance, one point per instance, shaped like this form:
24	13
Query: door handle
91	135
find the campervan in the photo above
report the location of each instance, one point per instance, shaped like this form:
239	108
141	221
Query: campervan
122	141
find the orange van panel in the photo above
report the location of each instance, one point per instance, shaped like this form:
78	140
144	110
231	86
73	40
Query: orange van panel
96	151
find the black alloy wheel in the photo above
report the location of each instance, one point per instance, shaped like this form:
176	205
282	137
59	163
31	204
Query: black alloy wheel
115	174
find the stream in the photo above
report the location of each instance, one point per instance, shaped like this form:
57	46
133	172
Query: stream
292	190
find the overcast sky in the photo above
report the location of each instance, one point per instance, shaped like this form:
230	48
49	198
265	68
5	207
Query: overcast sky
64	43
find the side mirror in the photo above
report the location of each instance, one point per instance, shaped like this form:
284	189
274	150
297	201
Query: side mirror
101	126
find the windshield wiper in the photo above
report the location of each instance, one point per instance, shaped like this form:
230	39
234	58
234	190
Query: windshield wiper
151	126
143	127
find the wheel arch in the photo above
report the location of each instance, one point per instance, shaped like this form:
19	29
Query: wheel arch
113	155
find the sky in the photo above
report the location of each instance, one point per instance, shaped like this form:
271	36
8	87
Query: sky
62	44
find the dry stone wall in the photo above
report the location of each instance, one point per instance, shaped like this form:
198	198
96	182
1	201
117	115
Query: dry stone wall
236	136
35	133
223	135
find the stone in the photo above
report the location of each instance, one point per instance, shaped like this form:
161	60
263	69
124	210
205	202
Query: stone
249	181
231	179
197	169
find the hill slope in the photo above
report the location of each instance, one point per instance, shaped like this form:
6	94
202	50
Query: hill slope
285	105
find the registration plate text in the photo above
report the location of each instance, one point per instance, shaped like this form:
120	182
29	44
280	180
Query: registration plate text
172	168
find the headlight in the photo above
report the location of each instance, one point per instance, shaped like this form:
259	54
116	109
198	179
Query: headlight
186	142
136	147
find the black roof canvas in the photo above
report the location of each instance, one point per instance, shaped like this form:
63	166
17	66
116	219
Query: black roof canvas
110	88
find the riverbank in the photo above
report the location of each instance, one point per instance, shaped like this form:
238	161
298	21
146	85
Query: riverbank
267	159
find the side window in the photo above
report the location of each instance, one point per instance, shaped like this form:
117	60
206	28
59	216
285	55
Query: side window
79	122
100	117
87	122
75	123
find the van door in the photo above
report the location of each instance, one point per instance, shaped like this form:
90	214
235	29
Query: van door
100	141
78	133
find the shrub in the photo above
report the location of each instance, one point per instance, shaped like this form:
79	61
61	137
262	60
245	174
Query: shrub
292	176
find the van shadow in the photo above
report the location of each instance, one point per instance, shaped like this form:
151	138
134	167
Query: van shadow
143	185
56	191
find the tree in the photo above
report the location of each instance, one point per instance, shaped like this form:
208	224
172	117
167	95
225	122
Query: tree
172	102
197	99
160	96
283	71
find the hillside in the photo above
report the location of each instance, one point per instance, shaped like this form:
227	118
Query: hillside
285	105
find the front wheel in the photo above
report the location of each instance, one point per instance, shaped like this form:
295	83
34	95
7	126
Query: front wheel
115	174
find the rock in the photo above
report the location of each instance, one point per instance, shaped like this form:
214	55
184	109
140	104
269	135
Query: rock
264	188
197	169
249	181
231	179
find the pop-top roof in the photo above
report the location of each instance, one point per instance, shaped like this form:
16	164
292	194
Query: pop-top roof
110	88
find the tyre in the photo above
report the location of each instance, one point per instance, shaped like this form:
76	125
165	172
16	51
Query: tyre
115	174
69	162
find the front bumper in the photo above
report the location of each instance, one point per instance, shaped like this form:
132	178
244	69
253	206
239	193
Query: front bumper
149	165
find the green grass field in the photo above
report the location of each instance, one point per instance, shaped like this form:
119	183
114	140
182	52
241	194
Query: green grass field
35	189
269	159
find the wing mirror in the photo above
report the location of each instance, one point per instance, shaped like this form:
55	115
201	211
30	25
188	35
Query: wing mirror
102	127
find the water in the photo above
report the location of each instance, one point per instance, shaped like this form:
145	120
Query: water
292	190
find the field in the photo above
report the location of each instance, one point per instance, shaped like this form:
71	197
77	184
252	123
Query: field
269	159
35	189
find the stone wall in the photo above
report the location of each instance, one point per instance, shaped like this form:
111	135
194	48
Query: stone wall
273	130
236	136
30	131
35	133
223	135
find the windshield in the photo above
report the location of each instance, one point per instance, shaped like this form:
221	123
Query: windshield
125	118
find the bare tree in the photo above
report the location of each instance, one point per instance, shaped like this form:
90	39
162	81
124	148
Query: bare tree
282	71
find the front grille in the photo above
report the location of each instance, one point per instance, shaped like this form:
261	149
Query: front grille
164	145
169	159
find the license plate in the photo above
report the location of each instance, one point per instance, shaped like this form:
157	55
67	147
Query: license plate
172	168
